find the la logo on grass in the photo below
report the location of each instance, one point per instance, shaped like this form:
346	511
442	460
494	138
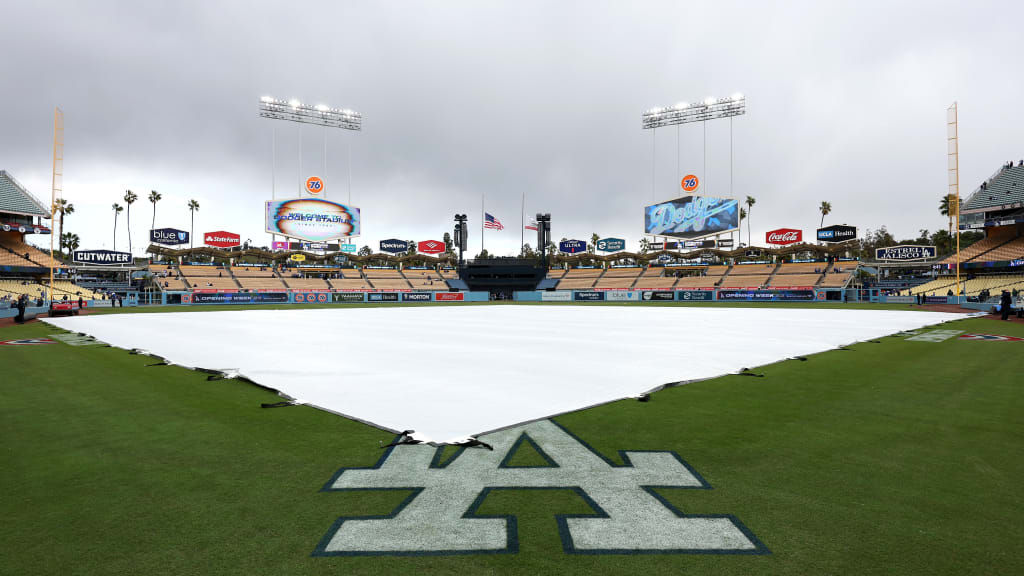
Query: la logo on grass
440	515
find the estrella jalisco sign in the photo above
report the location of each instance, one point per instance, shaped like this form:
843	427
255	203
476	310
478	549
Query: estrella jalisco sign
905	252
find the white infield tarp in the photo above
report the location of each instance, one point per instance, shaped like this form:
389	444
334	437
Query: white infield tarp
452	372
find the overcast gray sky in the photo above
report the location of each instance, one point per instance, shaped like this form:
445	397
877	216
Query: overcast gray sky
846	103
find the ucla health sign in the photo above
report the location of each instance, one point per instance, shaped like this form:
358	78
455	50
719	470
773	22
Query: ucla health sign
572	246
169	236
837	233
905	253
101	257
611	244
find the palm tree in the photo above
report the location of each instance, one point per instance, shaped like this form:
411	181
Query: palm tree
593	242
743	214
70	241
193	207
154	197
750	205
949	201
63	207
129	199
117	211
825	209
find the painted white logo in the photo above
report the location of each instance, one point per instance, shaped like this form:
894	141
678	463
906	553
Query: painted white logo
439	516
934	336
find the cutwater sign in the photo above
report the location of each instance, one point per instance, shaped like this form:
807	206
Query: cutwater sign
905	253
394	246
101	257
572	246
611	244
170	236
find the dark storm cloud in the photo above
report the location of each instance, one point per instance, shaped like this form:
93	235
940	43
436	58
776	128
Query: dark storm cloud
846	104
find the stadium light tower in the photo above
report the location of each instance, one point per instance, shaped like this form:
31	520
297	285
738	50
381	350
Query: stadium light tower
461	234
543	235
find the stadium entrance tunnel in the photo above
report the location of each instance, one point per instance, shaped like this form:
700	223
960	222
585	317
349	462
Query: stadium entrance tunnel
502	277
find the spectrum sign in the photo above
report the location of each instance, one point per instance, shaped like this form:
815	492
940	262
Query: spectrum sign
222	239
312	219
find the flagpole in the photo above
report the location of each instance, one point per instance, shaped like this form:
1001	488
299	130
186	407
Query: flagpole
481	223
522	224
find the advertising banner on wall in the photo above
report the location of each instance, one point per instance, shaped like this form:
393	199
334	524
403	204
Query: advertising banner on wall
222	239
347	248
417	296
621	296
837	233
905	253
725	243
449	296
430	247
691	217
556	296
766	295
277	245
347	297
695	295
572	246
382	297
312	297
312	219
784	236
588	296
611	244
658	295
168	236
238	297
394	246
101	257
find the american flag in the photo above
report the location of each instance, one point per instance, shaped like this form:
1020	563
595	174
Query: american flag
492	222
531	226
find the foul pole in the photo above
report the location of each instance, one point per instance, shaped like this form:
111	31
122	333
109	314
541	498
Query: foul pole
57	183
953	169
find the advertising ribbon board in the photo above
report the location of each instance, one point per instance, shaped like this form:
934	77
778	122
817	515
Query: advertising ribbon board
587	296
382	297
621	296
238	297
449	296
347	297
416	297
695	295
766	295
556	296
658	295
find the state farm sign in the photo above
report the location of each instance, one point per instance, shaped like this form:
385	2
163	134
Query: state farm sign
430	247
784	236
221	239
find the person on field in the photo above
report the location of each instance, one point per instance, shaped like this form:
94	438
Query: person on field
1004	305
22	304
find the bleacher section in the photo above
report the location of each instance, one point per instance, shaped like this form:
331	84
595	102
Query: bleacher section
1006	187
579	278
1011	250
747	276
36	257
653	278
792	280
619	278
937	287
208	277
976	250
307	283
425	280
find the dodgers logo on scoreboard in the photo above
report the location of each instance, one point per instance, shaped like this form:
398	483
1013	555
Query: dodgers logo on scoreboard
314	185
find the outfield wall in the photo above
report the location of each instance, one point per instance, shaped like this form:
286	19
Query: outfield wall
717	295
316	297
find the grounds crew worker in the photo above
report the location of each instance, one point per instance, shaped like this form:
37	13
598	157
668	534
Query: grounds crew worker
22	304
1004	304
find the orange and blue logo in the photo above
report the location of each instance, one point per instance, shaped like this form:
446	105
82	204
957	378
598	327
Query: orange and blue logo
690	182
314	185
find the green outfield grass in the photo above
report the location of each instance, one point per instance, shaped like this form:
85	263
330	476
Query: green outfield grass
895	457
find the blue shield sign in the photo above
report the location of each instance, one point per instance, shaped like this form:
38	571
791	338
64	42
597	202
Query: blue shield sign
168	236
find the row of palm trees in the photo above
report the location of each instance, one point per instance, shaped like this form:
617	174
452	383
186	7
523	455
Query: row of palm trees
154	197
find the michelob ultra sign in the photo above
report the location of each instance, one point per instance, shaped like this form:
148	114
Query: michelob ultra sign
312	219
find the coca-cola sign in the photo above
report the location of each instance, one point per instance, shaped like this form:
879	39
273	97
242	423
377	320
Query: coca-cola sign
784	236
